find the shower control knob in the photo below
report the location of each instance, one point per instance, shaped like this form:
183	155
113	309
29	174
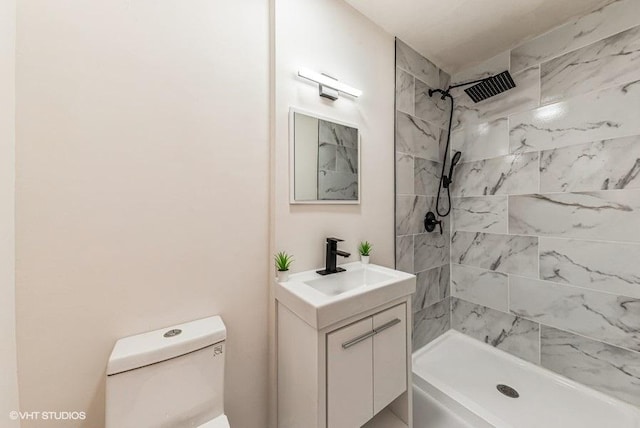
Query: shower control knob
430	222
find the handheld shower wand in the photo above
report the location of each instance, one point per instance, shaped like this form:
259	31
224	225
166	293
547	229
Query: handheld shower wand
448	179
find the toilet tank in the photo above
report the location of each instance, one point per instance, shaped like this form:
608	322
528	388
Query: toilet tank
172	377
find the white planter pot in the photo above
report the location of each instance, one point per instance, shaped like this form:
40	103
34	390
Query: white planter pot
364	260
283	275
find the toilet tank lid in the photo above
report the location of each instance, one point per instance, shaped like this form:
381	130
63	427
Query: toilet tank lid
148	348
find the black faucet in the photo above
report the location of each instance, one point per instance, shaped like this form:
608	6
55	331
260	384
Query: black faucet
332	252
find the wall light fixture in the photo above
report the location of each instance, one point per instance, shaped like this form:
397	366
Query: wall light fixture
329	87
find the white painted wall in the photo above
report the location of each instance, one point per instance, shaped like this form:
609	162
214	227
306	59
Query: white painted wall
142	190
331	37
8	379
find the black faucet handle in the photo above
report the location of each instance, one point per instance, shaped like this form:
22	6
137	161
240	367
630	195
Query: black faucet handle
334	240
430	222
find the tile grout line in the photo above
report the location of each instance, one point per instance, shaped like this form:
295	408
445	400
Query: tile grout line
581	335
539	344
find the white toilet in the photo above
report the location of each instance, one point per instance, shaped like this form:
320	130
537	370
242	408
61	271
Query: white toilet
168	378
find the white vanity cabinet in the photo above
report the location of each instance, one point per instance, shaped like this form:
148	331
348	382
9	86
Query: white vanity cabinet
366	367
343	375
349	375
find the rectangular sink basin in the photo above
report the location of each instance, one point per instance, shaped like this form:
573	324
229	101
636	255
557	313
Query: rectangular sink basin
338	283
324	300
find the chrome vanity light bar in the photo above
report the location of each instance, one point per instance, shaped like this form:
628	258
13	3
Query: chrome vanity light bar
328	82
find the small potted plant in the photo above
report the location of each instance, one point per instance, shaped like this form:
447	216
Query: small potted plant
283	263
365	251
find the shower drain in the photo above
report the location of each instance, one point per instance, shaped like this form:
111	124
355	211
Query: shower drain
508	391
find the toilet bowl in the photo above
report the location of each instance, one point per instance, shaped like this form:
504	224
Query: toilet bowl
171	377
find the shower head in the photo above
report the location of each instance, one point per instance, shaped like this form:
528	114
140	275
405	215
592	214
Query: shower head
490	86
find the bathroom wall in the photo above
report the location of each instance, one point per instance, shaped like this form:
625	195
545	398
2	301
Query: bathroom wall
546	220
331	37
8	380
142	190
421	123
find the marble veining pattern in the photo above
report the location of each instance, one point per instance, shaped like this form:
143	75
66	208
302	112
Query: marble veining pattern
554	238
481	286
602	316
419	143
612	215
481	214
410	212
327	156
340	135
597	25
404	174
417	137
612	61
405	91
426	176
504	331
490	67
404	253
432	286
430	250
501	253
606	114
346	160
411	61
337	161
443	145
609	369
506	175
605	266
603	165
432	109
482	140
525	96
430	323
336	185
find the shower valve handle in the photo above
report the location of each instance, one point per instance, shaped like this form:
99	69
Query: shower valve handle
430	222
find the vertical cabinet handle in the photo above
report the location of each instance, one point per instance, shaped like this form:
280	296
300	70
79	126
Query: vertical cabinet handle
348	344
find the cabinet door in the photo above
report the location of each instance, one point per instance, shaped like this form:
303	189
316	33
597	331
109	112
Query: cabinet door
389	356
350	375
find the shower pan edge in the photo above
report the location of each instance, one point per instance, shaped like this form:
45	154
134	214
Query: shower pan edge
460	374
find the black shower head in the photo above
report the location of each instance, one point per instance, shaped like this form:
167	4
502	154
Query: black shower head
490	86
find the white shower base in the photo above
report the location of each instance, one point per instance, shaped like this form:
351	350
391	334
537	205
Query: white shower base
454	384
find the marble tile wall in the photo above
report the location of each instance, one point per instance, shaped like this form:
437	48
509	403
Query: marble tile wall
545	233
421	123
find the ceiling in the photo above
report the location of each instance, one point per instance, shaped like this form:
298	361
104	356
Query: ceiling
456	34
